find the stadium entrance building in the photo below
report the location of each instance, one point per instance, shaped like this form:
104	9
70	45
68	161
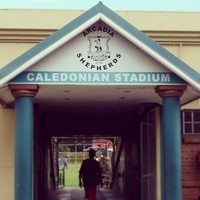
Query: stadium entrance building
99	76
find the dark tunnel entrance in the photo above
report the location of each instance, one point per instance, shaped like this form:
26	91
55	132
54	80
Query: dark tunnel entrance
69	152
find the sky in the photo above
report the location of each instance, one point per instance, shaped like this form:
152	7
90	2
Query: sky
135	5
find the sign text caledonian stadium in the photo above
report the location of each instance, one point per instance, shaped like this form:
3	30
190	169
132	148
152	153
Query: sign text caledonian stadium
95	78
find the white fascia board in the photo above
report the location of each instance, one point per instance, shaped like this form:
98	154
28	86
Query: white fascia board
50	49
150	52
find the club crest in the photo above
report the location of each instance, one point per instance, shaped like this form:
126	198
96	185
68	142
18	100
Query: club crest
96	55
98	47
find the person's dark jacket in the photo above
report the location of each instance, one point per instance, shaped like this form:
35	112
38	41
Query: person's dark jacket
90	172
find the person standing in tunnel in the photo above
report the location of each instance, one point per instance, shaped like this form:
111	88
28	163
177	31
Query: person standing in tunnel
65	162
90	175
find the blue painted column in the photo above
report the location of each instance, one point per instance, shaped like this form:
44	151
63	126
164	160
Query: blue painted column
171	125
23	139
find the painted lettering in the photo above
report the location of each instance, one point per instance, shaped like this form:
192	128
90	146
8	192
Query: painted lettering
30	76
63	77
39	77
87	64
105	67
99	67
133	78
46	78
83	77
73	77
98	28
98	77
82	60
118	55
117	77
142	77
165	78
55	77
115	60
79	55
110	64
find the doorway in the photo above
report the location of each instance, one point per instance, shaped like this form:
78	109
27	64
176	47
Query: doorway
74	150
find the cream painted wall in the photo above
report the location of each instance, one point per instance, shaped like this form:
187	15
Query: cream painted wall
193	105
6	154
189	53
36	19
143	20
10	51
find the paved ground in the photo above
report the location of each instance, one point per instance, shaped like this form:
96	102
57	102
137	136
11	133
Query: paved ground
78	194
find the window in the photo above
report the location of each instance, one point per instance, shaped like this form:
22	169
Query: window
191	122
